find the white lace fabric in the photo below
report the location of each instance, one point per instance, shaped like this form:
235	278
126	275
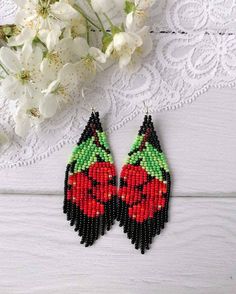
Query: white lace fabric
194	50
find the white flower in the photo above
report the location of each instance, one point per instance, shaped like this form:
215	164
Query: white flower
123	47
59	91
50	37
26	35
50	30
44	14
104	6
27	115
91	59
141	51
54	55
75	28
138	12
24	75
59	55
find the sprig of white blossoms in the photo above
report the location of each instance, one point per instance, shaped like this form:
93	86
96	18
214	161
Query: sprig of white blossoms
51	54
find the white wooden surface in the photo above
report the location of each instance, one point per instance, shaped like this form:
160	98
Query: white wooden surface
40	253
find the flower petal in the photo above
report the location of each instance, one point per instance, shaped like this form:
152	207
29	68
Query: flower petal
110	49
52	87
26	35
50	37
10	60
26	53
48	106
12	88
97	54
23	124
20	3
129	19
124	60
144	4
63	11
34	61
85	71
147	41
68	77
81	47
23	16
105	6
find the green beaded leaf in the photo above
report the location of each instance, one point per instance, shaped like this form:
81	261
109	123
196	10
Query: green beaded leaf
103	139
80	149
137	142
104	155
151	160
158	157
86	154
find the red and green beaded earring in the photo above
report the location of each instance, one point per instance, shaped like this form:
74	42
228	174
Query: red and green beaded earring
90	184
144	189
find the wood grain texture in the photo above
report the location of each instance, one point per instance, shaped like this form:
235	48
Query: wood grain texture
41	254
198	139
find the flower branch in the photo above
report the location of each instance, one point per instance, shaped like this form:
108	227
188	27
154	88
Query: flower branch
50	53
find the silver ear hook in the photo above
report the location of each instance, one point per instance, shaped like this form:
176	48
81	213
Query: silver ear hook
85	102
145	106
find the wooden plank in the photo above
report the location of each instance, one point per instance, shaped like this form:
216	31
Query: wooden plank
40	253
199	140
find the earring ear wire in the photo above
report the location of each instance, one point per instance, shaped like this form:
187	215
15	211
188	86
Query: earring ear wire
146	107
93	110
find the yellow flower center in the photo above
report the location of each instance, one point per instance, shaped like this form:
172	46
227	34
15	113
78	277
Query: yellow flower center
124	49
61	90
24	76
43	9
54	57
89	63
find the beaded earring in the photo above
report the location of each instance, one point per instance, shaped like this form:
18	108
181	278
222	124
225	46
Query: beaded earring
144	190
90	184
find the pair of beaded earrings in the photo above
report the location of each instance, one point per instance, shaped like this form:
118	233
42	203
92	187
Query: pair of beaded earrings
92	202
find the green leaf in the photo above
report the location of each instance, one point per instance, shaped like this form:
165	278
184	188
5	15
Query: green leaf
85	160
103	139
158	157
137	143
86	153
151	167
78	149
135	157
129	7
151	160
86	156
104	155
